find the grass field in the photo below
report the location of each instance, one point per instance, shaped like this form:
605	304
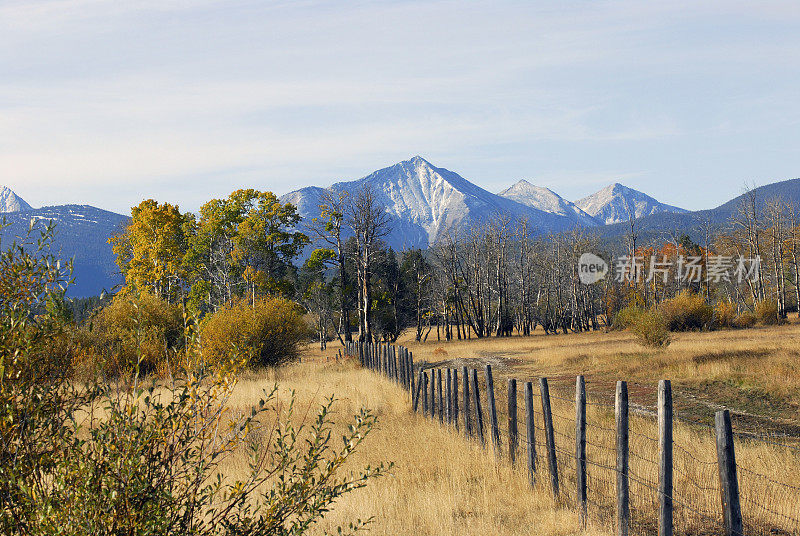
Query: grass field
443	484
754	372
440	484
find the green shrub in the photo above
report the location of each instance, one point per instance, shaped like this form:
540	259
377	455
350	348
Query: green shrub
686	312
266	332
766	312
106	459
651	329
150	466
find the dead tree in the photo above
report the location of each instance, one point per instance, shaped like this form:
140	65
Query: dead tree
370	223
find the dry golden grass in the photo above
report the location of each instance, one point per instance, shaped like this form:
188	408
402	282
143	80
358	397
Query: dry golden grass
754	372
440	483
767	507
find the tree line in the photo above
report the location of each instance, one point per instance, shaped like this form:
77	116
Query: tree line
497	278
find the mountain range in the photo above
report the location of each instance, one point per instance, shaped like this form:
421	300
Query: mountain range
424	202
81	234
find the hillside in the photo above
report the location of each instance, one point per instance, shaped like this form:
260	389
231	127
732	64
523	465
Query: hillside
81	234
657	226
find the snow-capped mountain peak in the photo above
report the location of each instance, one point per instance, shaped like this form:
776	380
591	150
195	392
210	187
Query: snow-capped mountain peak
615	202
547	200
425	202
11	202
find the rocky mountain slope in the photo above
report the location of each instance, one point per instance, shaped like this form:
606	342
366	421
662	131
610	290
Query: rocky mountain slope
11	202
547	200
424	202
615	203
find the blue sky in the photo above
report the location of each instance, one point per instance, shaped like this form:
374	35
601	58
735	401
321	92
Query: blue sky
109	102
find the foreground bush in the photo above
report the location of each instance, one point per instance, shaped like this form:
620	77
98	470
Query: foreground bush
686	312
134	332
100	459
651	329
267	331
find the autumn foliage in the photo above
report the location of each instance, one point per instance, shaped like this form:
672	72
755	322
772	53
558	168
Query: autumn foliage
133	333
687	311
268	331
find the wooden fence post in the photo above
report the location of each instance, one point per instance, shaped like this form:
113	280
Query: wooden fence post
623	498
411	369
476	398
513	437
396	365
665	458
424	380
455	398
728	482
406	377
467	412
401	367
580	444
492	410
449	396
550	439
439	393
530	427
415	402
433	393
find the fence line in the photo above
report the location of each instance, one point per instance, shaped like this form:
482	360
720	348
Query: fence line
643	469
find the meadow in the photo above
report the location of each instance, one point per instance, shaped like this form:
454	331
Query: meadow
439	485
442	483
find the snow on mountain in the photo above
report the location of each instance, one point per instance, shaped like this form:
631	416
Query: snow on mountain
613	204
425	202
11	202
547	200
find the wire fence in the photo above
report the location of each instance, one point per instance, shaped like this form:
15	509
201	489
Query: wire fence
757	479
